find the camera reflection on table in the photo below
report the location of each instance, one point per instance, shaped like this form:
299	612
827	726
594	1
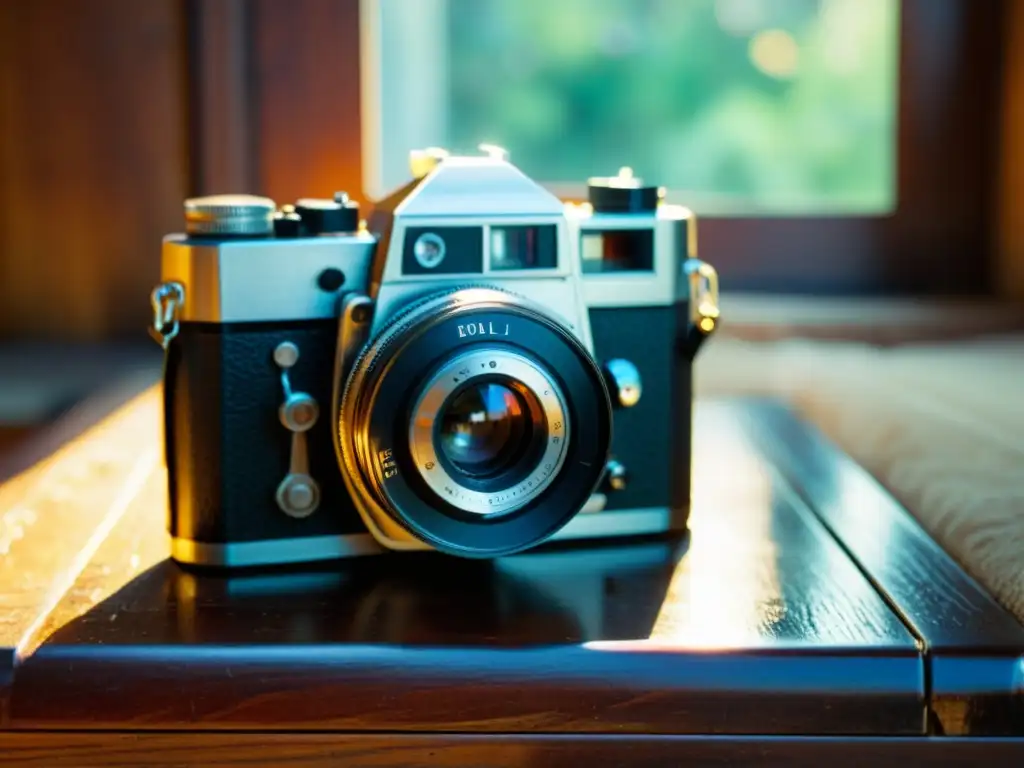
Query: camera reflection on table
556	595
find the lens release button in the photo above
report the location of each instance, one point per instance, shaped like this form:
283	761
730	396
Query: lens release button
616	476
624	384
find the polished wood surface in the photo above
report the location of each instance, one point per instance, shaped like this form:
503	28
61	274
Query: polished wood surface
83	750
61	494
679	635
55	515
940	603
923	579
757	623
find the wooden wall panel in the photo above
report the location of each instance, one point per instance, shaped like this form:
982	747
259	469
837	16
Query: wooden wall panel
221	93
306	70
275	93
93	161
1009	213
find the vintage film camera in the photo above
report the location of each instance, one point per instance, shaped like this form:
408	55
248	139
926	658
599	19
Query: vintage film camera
476	369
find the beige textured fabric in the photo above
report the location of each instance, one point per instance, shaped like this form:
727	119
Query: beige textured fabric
941	426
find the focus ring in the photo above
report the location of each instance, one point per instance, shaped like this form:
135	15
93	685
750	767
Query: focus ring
406	319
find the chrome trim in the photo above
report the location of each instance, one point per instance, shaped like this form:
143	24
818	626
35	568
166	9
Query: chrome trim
619	522
663	284
263	280
452	375
298	493
625	382
595	503
482	186
702	283
218	215
274	551
166	299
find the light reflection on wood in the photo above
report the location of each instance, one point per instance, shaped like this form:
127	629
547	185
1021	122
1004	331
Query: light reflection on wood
134	545
55	515
725	591
97	521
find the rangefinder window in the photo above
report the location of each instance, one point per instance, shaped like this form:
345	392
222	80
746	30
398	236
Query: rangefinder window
523	247
443	251
620	250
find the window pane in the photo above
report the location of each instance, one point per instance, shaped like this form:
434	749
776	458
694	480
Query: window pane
737	106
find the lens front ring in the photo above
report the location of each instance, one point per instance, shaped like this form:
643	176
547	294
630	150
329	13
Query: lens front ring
462	370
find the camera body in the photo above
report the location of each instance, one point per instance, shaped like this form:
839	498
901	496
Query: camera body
429	378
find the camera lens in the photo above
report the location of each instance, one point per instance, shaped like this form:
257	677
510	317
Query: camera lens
485	428
475	422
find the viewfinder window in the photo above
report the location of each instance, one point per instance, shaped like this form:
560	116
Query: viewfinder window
618	250
523	247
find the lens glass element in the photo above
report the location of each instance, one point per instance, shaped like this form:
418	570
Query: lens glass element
484	428
489	431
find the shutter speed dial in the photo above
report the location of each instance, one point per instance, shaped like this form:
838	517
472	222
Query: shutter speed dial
229	215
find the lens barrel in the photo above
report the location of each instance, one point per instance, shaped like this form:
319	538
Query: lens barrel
476	422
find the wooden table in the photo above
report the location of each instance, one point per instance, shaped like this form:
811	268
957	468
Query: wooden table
805	619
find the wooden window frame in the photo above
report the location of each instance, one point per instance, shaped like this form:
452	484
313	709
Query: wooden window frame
275	93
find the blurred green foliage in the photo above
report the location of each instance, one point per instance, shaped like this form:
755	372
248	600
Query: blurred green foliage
692	94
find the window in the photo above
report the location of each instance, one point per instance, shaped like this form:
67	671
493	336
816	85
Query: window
738	107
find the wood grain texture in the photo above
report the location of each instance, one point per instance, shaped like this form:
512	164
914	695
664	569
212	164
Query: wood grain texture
919	424
54	514
93	162
881	322
653	637
1009	213
83	750
221	94
758	623
306	72
938	425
